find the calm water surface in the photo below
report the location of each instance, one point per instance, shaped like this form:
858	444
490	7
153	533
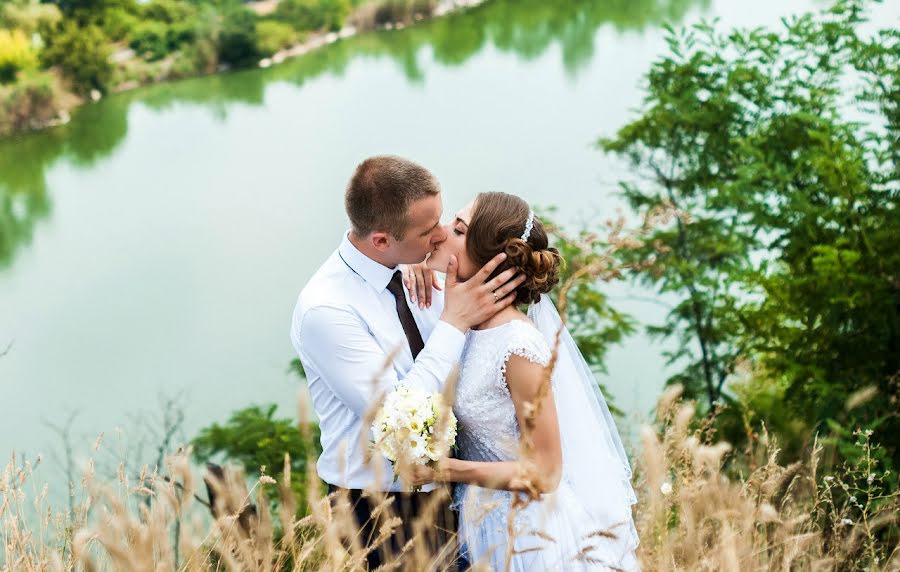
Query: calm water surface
156	244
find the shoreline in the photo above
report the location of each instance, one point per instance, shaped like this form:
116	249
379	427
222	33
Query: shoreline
314	41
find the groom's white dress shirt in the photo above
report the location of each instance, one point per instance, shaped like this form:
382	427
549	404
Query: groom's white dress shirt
344	328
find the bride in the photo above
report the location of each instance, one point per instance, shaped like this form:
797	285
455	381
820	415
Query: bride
566	500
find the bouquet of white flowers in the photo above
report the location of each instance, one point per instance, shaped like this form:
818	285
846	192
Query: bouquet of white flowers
414	425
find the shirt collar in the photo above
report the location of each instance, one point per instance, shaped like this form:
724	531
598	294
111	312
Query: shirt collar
376	274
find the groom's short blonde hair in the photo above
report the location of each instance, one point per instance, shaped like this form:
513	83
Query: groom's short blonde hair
380	192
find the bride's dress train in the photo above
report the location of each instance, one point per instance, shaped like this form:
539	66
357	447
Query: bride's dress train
586	523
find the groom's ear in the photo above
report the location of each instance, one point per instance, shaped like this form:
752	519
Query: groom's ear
380	240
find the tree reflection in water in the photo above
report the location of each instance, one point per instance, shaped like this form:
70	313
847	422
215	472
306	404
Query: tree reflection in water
526	28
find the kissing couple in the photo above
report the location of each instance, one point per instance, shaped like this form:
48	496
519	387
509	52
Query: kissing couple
364	324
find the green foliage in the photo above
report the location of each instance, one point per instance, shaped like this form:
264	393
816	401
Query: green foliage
786	257
238	43
102	13
118	23
311	15
200	57
16	55
391	11
255	438
28	16
168	11
201	54
150	40
180	34
274	36
82	53
296	367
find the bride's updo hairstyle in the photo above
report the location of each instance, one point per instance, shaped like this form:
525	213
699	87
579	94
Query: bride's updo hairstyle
498	224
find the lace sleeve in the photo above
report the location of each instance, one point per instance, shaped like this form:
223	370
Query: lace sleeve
527	342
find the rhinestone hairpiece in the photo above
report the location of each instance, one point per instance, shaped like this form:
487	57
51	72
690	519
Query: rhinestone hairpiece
529	224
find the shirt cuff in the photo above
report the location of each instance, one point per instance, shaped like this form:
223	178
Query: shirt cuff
446	342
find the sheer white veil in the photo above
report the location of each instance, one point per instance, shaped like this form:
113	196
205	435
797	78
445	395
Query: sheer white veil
594	460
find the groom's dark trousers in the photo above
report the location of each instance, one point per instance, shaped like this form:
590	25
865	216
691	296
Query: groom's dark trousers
436	533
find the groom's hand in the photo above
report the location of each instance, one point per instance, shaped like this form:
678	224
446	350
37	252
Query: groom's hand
469	303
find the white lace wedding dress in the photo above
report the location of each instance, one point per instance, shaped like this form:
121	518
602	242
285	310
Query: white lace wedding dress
554	533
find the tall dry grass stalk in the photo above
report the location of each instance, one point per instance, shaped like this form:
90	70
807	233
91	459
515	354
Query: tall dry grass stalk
702	506
693	515
696	515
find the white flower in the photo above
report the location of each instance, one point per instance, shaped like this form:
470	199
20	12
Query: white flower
416	447
409	425
853	499
666	488
829	478
846	522
415	424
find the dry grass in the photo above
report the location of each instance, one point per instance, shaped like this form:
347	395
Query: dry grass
702	506
693	515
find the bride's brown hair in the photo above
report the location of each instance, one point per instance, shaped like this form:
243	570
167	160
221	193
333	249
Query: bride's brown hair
497	225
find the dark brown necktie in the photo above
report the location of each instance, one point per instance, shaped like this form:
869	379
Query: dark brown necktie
395	286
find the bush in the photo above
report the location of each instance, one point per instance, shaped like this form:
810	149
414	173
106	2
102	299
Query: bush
150	40
201	54
238	42
181	33
16	54
274	36
306	15
33	101
82	53
256	439
28	17
168	11
299	14
119	24
392	11
334	12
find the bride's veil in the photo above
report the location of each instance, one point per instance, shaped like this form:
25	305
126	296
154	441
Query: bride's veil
594	460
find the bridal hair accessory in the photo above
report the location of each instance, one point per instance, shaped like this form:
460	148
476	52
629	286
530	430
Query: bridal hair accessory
529	224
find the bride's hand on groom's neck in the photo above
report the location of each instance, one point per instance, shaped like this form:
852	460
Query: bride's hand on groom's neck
474	301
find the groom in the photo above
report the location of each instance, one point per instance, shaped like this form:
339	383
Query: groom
358	334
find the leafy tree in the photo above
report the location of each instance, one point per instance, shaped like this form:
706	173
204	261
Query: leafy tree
27	15
785	258
150	39
168	11
686	142
182	33
118	23
82	52
274	36
238	43
96	12
306	15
